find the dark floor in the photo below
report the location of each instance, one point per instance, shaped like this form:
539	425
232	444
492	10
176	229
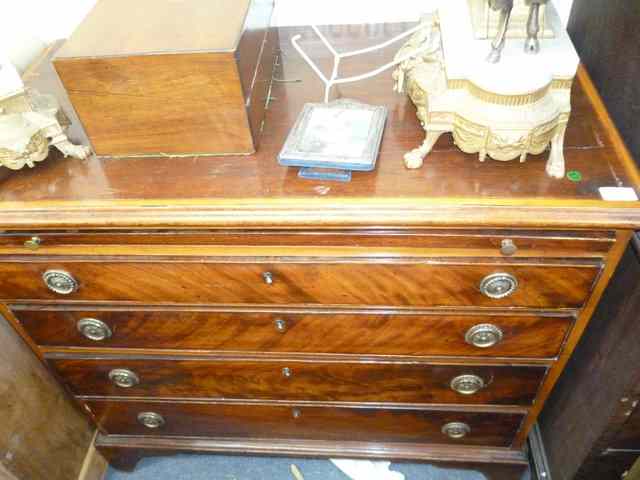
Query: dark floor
220	467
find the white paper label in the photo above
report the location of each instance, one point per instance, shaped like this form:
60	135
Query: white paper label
618	194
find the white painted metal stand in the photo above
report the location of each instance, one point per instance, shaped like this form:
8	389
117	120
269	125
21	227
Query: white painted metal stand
337	57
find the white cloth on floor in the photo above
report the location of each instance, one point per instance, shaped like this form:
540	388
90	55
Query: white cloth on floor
367	469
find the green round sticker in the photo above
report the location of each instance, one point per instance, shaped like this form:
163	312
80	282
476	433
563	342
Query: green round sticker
574	176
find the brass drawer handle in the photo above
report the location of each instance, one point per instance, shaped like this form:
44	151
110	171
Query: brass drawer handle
33	243
484	335
498	285
60	282
268	278
123	378
456	430
151	419
296	413
467	384
508	247
94	329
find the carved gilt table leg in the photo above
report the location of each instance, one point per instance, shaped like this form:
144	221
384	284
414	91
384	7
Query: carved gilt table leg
30	123
60	140
415	158
555	165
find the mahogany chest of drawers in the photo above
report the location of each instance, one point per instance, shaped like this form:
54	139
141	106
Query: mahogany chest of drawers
225	305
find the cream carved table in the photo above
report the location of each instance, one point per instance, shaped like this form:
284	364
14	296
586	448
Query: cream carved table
505	111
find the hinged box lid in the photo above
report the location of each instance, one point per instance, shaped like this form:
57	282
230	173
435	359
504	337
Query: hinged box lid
139	27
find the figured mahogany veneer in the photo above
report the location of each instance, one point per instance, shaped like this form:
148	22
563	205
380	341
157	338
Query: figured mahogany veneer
344	332
345	381
326	281
307	422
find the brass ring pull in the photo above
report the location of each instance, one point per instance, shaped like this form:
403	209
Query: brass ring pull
93	329
467	384
151	419
123	378
456	430
498	285
60	282
484	335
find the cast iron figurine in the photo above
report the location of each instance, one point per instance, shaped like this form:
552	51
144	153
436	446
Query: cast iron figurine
505	7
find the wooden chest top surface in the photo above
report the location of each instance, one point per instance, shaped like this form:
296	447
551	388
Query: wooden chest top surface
452	189
124	27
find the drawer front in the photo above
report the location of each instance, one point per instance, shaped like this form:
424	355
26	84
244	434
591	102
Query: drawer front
525	336
297	380
370	282
306	422
526	242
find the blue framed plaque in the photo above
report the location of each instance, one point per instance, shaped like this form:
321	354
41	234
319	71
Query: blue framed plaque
330	140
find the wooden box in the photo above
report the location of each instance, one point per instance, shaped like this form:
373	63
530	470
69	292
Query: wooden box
155	77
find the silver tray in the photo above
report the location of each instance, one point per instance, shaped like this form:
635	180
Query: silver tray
343	135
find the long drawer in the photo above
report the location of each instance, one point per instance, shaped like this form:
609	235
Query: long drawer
306	422
327	281
288	331
392	382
